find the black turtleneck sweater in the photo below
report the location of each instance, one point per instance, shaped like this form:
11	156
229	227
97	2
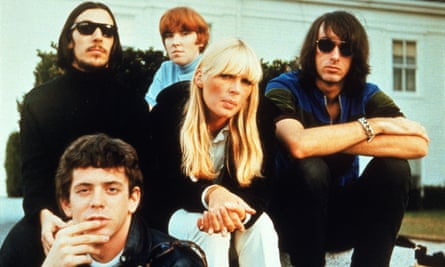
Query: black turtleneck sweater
58	112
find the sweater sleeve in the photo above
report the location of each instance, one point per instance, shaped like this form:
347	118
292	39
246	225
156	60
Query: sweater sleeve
37	165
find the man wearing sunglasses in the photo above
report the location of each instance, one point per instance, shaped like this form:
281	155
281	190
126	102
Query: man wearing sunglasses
86	99
330	116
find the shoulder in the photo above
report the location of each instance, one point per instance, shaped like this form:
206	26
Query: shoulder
371	88
53	84
175	94
158	237
167	113
372	91
284	80
378	103
51	89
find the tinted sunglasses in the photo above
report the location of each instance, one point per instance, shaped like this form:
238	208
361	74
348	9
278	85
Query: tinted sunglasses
87	28
327	45
164	248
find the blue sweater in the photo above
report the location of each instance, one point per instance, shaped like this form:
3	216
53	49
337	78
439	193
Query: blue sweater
168	74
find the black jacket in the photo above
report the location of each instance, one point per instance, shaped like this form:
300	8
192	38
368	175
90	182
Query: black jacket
141	247
58	112
168	189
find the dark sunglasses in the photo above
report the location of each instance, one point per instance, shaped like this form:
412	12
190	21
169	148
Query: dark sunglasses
327	45
164	248
88	27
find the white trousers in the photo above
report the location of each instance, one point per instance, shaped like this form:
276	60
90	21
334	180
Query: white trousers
255	247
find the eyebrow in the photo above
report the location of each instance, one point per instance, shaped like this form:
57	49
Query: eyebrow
104	183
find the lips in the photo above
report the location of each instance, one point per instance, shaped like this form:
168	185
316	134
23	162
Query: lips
332	68
176	52
96	217
96	49
228	103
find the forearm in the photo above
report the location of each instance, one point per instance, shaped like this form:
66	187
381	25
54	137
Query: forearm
318	141
402	138
406	147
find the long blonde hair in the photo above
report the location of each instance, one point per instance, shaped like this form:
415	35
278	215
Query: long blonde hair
231	56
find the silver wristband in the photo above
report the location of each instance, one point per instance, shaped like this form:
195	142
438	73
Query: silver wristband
367	127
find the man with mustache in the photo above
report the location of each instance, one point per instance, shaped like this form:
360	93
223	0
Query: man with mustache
86	99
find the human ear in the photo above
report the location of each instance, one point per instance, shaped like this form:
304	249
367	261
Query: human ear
66	206
198	78
135	198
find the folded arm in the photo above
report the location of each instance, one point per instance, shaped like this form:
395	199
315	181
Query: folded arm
395	137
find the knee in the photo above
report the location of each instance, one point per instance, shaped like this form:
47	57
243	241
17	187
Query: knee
263	229
393	172
314	173
264	225
308	169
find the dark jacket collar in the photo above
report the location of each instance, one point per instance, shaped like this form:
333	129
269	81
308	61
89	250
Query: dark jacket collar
138	245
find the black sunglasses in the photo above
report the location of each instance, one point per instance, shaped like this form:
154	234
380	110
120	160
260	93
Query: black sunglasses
165	248
88	27
327	45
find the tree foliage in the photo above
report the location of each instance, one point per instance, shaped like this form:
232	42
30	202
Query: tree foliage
12	166
138	68
47	68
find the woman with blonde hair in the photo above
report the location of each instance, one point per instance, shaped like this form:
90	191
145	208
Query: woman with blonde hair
212	175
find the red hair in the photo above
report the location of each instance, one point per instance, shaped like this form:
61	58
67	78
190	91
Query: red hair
180	19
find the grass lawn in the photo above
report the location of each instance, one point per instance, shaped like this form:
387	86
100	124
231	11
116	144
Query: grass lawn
424	224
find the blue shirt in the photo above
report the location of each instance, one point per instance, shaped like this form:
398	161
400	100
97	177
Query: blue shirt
308	106
168	74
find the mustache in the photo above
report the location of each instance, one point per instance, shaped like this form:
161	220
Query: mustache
97	47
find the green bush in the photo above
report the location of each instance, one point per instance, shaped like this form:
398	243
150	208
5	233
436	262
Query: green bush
138	68
12	166
46	69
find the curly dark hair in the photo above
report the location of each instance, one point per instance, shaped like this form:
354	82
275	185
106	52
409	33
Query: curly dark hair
97	151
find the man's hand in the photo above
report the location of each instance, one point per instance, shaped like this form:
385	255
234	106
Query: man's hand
398	126
72	247
50	225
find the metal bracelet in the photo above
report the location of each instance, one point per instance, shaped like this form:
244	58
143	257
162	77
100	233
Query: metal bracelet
367	127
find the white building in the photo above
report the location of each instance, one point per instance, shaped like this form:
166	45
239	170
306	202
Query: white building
407	49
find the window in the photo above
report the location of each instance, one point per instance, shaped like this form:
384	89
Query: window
404	65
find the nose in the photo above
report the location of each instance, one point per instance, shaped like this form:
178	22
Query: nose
235	86
98	200
335	53
176	39
97	34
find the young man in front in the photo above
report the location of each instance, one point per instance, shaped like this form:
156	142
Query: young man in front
98	186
